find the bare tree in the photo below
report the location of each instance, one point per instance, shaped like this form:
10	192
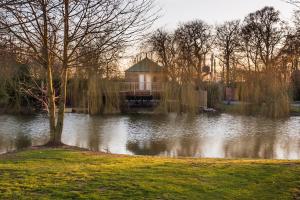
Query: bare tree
55	31
227	41
267	31
194	40
163	45
291	49
250	45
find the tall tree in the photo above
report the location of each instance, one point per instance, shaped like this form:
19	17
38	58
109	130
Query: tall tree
267	29
163	45
227	41
55	31
194	40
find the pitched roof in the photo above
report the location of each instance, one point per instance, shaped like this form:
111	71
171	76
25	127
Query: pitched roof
145	65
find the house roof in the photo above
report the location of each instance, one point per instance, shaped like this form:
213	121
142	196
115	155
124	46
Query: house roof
145	65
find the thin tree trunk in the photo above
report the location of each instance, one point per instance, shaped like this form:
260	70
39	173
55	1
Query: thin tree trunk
51	104
61	108
227	71
48	65
56	141
64	77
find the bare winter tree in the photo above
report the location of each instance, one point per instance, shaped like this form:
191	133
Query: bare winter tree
250	45
227	41
164	47
55	32
292	44
267	31
194	41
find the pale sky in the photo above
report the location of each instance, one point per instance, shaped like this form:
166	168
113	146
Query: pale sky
214	11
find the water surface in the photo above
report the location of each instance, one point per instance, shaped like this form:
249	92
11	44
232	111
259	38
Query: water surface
222	136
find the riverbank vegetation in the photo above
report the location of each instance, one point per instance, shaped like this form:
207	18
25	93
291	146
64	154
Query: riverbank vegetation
73	174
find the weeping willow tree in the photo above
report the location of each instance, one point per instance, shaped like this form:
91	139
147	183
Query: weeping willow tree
95	87
77	93
179	98
266	94
94	95
103	96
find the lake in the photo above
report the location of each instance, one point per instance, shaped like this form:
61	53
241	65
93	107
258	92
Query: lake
206	136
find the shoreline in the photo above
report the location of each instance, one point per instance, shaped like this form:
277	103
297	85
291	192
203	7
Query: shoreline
87	151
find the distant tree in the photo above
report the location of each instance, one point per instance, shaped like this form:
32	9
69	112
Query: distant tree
194	40
291	49
228	43
267	31
250	45
164	48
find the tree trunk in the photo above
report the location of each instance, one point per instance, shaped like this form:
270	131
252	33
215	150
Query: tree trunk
61	108
227	72
55	139
51	104
48	66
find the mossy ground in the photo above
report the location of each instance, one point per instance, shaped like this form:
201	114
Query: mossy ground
73	174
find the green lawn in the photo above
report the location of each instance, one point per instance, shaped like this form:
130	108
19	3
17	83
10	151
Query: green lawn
71	174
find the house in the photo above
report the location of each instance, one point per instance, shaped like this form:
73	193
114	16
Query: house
145	75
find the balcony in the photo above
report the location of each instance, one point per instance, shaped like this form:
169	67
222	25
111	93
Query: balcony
141	88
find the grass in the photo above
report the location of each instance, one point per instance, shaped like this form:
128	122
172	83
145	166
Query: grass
72	174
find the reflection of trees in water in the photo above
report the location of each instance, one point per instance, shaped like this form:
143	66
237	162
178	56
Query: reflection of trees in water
104	133
183	146
147	147
189	146
255	145
5	144
93	137
185	136
288	148
23	141
171	144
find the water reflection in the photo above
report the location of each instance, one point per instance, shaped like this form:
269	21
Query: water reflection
23	141
223	136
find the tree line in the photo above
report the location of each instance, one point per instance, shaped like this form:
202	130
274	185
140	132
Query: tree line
261	42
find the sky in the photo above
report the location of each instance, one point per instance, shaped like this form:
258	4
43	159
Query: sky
214	11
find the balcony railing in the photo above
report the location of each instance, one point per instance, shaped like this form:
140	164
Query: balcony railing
138	87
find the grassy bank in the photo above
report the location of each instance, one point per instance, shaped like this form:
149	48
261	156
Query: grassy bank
71	174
